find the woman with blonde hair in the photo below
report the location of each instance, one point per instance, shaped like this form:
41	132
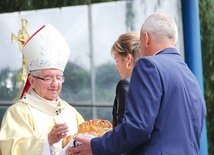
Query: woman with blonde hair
126	52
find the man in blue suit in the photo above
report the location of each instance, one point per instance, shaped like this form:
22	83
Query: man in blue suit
165	108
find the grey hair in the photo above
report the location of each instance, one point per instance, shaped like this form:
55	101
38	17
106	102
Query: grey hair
35	72
160	26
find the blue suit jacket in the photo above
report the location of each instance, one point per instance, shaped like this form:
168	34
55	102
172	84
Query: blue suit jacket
164	113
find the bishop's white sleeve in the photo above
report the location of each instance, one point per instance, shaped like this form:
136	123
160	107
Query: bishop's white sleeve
47	149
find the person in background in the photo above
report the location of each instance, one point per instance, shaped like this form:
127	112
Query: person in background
126	52
165	108
38	122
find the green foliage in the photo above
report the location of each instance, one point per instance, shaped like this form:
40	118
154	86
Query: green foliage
104	113
8	84
86	112
22	5
130	16
207	38
77	84
106	80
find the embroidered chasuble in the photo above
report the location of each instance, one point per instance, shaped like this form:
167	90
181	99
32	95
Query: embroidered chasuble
26	124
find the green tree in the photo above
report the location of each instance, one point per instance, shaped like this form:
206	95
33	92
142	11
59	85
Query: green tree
106	79
207	41
130	15
77	84
8	84
22	5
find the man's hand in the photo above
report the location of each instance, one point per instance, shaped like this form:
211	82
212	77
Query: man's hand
58	132
85	145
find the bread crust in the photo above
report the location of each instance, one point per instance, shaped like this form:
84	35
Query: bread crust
94	127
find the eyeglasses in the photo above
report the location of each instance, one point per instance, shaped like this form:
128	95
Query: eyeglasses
48	79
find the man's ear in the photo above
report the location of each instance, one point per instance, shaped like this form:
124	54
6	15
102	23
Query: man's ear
147	39
32	81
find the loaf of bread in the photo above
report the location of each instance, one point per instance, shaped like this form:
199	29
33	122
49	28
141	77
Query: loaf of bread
95	127
66	140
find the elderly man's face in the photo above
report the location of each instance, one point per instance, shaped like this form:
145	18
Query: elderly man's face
47	85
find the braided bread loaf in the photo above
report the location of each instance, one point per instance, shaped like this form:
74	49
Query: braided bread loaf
95	127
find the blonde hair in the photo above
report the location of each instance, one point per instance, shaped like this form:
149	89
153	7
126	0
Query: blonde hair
128	43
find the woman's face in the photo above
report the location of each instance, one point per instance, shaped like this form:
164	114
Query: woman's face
121	66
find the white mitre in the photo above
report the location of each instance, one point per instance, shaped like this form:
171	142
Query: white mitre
46	48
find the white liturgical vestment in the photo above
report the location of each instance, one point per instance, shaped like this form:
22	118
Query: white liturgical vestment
26	124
